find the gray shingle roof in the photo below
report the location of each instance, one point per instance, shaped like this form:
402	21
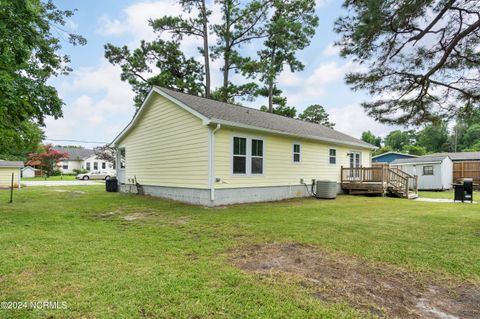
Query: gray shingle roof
75	154
421	159
461	156
11	163
235	114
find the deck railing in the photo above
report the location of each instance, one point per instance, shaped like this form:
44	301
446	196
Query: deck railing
385	176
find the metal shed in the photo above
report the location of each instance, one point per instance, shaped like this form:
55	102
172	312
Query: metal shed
434	172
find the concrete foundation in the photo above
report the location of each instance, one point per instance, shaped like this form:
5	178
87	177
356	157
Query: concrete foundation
224	196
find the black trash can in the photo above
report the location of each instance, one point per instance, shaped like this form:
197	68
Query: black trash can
111	185
459	192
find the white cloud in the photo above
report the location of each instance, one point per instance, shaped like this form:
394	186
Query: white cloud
351	119
331	50
135	20
104	106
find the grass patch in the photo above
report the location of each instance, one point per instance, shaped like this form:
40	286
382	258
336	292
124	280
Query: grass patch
116	255
445	194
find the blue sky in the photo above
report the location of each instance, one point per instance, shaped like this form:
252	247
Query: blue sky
99	104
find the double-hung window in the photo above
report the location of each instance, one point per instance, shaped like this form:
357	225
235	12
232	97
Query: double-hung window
239	155
333	156
257	156
247	156
296	153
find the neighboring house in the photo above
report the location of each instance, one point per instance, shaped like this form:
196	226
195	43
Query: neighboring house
434	172
389	157
28	172
92	163
7	168
80	158
75	158
206	152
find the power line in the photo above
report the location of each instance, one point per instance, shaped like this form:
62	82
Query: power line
76	141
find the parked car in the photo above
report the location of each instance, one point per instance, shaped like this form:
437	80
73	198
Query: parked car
96	175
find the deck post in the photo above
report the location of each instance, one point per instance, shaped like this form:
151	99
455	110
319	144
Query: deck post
341	174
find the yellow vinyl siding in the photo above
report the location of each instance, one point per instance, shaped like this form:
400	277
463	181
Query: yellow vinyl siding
278	166
167	147
6	176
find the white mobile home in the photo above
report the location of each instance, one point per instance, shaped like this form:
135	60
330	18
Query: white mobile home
434	172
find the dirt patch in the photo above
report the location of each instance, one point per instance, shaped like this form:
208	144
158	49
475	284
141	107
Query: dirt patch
181	220
378	289
67	191
106	215
137	216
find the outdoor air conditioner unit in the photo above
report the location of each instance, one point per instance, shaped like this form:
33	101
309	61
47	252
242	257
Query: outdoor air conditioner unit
326	189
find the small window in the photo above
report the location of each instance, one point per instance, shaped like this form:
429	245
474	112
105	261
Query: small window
239	155
104	165
95	165
257	156
88	166
296	153
65	166
428	170
333	156
123	155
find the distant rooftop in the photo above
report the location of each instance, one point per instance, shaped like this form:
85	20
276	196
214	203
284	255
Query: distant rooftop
18	164
75	154
421	159
461	156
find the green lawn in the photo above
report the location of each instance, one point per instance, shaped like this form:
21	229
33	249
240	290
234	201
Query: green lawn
73	245
445	194
51	178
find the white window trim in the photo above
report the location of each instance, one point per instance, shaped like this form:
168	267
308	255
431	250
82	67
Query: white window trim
248	170
262	157
336	156
293	153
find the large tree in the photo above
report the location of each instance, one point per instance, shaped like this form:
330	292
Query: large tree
16	143
316	114
397	140
156	63
240	25
196	25
290	29
421	59
30	44
434	137
369	137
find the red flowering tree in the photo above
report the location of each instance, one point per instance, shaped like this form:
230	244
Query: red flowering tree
48	159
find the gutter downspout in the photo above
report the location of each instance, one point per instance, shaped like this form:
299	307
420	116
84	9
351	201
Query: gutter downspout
211	161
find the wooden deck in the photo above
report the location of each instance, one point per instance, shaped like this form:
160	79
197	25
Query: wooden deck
379	180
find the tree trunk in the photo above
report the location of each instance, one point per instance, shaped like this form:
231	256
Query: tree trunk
205	49
270	97
271	81
226	53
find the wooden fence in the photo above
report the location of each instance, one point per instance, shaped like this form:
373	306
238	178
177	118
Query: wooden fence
466	169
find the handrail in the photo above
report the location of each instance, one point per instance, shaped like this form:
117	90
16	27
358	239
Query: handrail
394	177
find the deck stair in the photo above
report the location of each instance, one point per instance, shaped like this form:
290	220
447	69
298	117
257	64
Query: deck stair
381	180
